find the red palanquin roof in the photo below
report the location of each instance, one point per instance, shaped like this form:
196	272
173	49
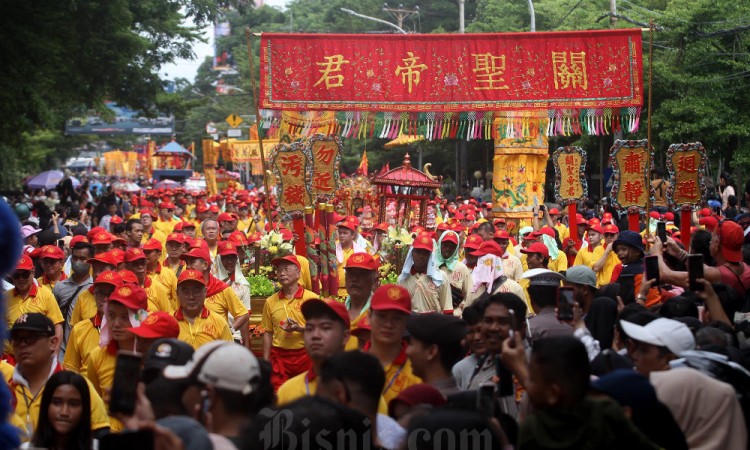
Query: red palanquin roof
406	175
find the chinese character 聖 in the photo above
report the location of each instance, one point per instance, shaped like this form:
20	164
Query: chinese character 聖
489	70
571	73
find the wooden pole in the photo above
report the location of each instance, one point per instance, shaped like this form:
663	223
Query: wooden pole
648	123
256	93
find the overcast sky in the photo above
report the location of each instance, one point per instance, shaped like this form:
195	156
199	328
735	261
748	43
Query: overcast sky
185	68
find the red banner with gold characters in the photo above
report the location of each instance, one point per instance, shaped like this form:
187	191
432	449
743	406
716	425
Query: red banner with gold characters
291	165
326	157
686	164
452	72
631	175
570	174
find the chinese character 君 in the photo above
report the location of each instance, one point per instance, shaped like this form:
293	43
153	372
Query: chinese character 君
331	65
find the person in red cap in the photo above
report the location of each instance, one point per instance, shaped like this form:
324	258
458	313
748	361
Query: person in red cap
84	336
220	298
176	247
52	258
166	220
605	265
593	250
68	290
156	326
512	267
346	245
245	221
283	322
85	307
124	308
227	223
158	296
455	272
134	233
572	246
198	324
554	222
390	309
149	231
472	244
26	297
102	242
326	334
361	280
157	272
228	271
426	284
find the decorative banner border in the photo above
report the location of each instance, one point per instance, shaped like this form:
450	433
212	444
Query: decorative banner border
575	176
291	168
452	72
686	177
636	175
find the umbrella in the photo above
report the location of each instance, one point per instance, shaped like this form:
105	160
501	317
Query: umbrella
49	180
166	184
126	186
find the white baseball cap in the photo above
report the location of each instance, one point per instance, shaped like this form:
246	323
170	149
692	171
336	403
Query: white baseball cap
674	335
225	365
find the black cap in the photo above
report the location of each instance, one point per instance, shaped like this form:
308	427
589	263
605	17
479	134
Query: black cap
436	328
34	322
167	352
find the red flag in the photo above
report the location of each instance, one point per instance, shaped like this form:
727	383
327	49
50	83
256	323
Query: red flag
363	164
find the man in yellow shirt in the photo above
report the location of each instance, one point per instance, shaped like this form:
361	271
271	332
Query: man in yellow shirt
52	258
158	296
210	233
34	343
27	297
391	307
166	222
198	325
326	333
283	323
149	231
84	337
345	248
85	307
158	273
562	231
361	280
220	297
606	263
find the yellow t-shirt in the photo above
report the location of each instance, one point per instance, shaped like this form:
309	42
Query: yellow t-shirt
563	231
305	279
225	302
244	225
398	376
277	309
560	264
157	234
39	299
85	307
83	340
165	227
43	281
27	405
100	370
207	327
301	385
585	257
342	273
167	278
605	275
158	297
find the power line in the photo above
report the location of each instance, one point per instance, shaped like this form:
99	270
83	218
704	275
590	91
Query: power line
566	15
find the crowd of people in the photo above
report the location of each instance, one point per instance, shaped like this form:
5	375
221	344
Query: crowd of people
469	348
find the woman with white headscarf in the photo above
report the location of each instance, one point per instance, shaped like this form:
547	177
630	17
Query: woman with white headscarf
424	280
488	276
456	272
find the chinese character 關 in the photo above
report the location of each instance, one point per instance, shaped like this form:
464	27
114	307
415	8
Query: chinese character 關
571	73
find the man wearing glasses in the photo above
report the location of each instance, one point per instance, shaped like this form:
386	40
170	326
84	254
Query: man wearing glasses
166	221
198	324
28	297
283	322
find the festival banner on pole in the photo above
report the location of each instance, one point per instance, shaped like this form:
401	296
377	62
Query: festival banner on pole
519	172
631	175
452	72
291	165
686	164
570	174
326	157
249	152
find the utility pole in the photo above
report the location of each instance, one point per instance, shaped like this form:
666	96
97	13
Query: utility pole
612	13
532	24
400	13
461	16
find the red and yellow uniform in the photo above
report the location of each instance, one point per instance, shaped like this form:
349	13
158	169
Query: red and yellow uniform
46	282
342	273
158	297
83	340
245	225
588	256
27	405
305	279
167	278
156	234
604	276
398	375
221	299
100	371
205	328
165	227
39	299
352	343
85	307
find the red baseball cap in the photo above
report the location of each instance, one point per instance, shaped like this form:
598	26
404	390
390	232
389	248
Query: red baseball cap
201	208
362	325
362	260
705	212
310	307
227	248
146	212
488	248
213	209
286	259
191	275
537	247
255	237
596	228
709	222
51	252
554	212
669	217
199	243
166	205
423	242
176	237
115	220
450	237
473	242
101	238
610	228
238	238
151	244
349	222
118	256
199	253
108	277
383	226
76	239
501	234
286	234
732	237
25	263
580	220
132	296
227	217
92	232
159	324
531	236
104	258
655	215
134	254
391	297
497	221
548	231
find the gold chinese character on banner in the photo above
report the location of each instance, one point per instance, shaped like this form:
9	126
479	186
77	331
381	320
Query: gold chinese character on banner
410	70
331	65
569	73
489	70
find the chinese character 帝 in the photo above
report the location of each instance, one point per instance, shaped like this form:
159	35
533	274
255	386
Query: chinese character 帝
294	195
569	73
410	70
489	70
687	163
291	164
331	65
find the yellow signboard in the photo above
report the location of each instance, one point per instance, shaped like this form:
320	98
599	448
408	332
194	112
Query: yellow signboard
234	120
